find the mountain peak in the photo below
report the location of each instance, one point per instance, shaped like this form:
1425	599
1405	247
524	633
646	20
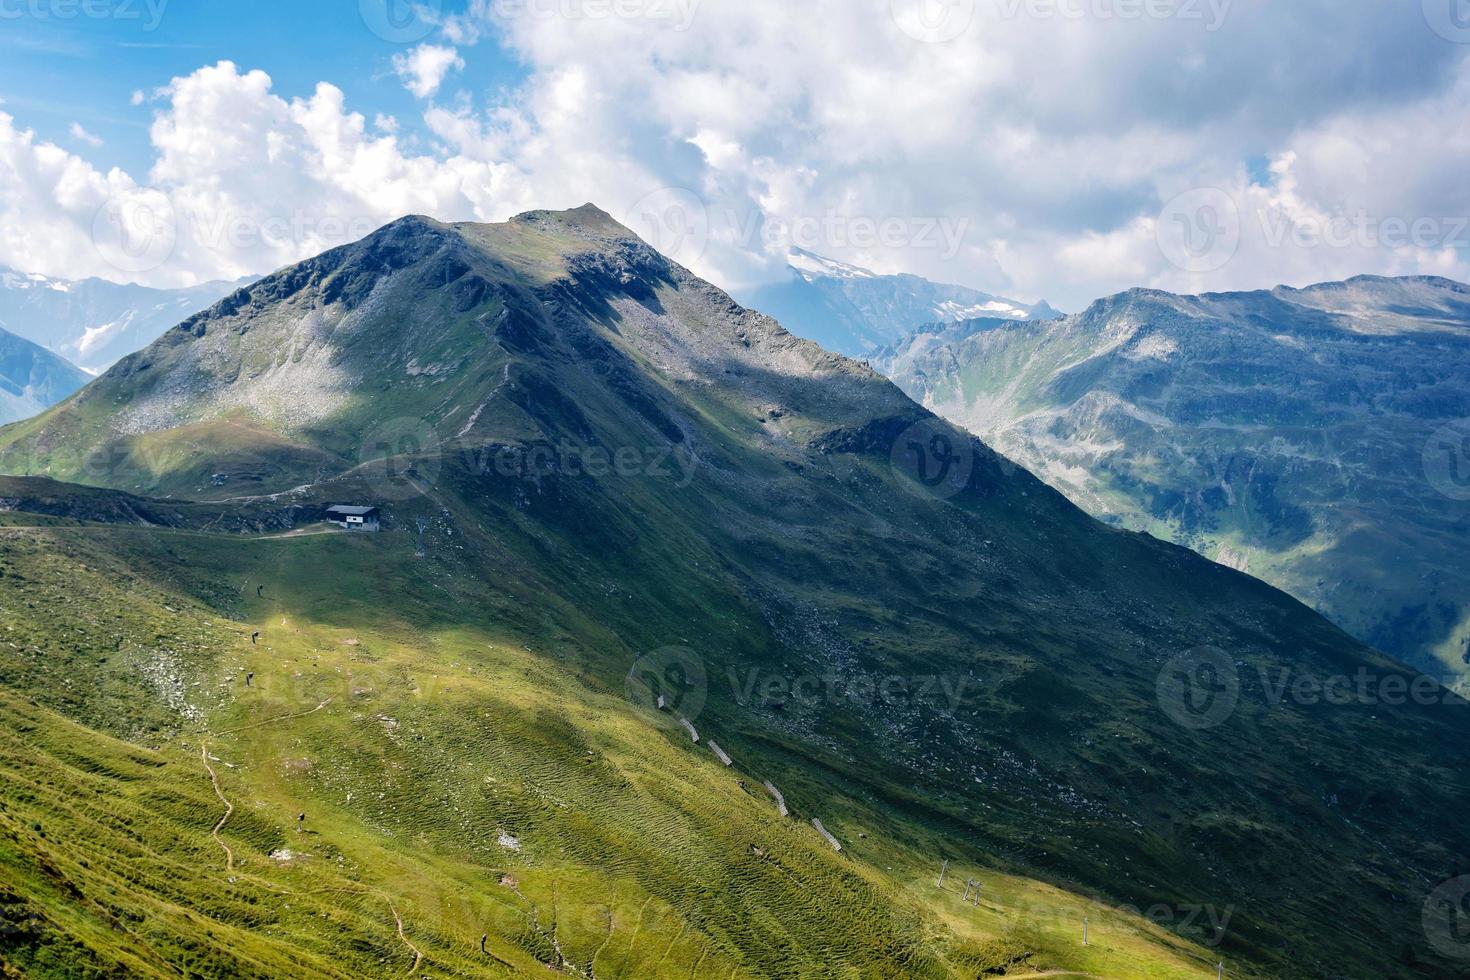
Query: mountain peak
586	223
1045	311
586	220
415	221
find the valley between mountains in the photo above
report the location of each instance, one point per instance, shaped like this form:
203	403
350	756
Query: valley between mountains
1314	438
240	742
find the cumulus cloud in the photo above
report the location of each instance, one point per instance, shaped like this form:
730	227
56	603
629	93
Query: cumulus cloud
1060	150
49	198
424	68
1057	133
244	181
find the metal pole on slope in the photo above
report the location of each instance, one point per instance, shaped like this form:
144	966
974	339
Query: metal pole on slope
942	869
1084	930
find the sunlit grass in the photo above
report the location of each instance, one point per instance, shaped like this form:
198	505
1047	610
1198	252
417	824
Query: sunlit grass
467	784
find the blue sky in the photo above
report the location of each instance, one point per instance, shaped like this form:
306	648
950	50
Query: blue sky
62	68
1066	148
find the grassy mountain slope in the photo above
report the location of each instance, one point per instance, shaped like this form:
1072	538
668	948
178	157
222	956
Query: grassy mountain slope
453	777
1308	437
586	456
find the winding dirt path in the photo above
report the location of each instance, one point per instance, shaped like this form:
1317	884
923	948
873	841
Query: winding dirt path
229	808
219	792
418	957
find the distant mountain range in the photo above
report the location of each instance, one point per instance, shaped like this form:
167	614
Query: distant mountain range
32	378
852	310
93	322
1312	437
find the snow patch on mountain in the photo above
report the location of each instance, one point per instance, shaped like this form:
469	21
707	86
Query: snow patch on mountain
94	337
812	265
952	312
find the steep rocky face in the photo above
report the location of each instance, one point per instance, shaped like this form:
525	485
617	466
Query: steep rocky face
1312	437
93	323
32	378
853	311
614	457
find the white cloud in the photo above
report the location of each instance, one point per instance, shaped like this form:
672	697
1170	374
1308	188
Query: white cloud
244	181
1055	140
78	133
1054	143
424	68
48	200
